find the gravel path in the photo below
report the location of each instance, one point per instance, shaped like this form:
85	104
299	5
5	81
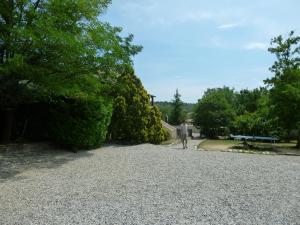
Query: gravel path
149	184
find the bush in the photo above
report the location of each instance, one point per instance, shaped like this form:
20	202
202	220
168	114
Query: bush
156	131
167	134
79	123
134	120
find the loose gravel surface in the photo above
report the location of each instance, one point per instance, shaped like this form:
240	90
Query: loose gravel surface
148	184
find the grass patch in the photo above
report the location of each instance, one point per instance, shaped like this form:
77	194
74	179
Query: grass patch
286	145
218	144
235	144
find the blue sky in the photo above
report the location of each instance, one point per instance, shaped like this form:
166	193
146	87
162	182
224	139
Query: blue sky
193	45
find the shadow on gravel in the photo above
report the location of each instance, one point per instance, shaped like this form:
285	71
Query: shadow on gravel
119	146
15	159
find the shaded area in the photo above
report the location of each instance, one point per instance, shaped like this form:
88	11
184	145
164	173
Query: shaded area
16	158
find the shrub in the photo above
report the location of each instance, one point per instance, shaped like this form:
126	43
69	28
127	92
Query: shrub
134	120
80	123
156	131
167	134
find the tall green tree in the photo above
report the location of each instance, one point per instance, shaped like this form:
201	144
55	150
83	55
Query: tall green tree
178	115
254	115
214	111
134	120
285	85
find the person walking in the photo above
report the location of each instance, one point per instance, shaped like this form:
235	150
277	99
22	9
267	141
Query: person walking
184	134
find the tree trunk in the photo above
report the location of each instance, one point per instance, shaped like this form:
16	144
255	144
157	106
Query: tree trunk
6	129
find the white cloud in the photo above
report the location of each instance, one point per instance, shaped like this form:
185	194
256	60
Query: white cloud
228	26
255	45
255	14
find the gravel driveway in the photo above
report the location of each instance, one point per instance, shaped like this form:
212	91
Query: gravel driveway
148	184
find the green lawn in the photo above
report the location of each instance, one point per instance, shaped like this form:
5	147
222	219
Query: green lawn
226	144
217	144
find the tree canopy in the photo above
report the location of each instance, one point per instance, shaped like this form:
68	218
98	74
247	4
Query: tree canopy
214	110
246	112
46	44
285	85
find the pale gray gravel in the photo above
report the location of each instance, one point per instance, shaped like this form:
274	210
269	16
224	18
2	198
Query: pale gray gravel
148	184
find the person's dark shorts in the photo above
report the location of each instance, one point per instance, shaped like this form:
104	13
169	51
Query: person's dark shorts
183	137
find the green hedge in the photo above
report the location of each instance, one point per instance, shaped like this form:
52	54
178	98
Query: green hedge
80	123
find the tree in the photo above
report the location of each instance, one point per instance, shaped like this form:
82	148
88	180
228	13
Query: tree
134	120
254	115
178	115
214	111
51	49
226	92
285	85
247	101
46	41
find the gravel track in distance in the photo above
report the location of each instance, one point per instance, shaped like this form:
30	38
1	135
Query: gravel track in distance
148	184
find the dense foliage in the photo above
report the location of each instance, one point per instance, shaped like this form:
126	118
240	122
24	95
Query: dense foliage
285	85
215	112
134	120
48	43
255	114
80	124
60	53
248	112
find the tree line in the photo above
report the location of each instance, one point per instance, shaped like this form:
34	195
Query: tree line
272	110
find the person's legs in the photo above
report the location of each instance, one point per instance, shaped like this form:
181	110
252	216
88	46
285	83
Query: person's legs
186	142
